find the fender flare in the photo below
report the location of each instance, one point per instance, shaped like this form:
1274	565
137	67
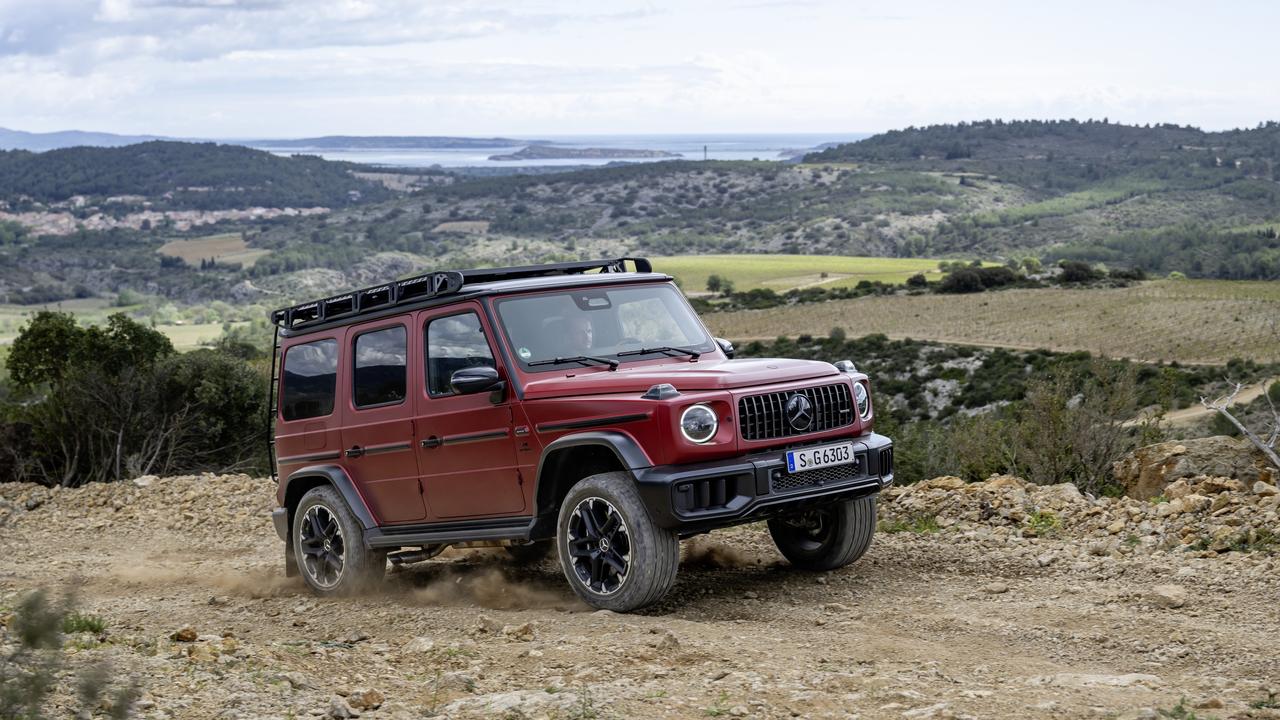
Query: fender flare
628	452
342	482
624	447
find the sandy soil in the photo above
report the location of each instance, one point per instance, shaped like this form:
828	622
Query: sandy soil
950	624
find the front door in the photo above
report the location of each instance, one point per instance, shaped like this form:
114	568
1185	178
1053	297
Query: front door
377	432
466	453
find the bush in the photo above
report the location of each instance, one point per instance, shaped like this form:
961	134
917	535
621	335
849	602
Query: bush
30	669
977	279
52	345
90	416
962	281
918	281
1128	273
1074	271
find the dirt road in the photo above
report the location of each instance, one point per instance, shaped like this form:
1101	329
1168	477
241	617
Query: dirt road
964	622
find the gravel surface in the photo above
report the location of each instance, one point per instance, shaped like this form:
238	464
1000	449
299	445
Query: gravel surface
990	600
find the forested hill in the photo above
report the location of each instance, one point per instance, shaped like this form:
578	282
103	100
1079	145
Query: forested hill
1097	141
203	176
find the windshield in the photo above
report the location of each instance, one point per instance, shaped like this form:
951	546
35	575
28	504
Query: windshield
600	323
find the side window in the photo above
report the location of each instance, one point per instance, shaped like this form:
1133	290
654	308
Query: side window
453	343
310	380
381	362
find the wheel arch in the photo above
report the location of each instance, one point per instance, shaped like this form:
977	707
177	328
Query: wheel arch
303	480
568	459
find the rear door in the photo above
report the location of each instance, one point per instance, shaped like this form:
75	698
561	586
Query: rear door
308	423
377	430
466	451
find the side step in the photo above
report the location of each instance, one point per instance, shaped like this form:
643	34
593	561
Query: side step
448	533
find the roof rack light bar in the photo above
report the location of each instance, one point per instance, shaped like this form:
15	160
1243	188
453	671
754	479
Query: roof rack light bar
435	284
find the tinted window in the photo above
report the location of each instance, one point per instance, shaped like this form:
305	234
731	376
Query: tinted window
453	343
380	366
310	379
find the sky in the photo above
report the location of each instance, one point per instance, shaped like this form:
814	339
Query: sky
293	68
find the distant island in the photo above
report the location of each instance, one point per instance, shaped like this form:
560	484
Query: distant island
552	152
384	142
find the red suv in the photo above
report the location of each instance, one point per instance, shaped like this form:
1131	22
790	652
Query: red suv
574	405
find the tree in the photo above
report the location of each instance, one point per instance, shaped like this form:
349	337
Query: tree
1031	265
117	402
715	283
1267	446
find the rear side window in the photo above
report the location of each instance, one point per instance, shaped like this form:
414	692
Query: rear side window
454	343
380	366
310	380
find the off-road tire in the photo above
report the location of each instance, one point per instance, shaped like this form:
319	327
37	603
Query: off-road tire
846	530
652	554
531	553
359	567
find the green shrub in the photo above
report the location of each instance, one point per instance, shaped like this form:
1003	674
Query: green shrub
30	670
91	415
75	622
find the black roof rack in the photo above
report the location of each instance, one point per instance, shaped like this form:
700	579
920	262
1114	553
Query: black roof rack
430	285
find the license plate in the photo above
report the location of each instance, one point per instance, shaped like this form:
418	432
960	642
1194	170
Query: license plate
820	457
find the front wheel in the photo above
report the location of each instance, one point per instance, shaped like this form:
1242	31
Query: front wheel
612	553
328	545
827	537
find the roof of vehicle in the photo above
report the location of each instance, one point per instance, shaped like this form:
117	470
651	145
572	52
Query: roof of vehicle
449	286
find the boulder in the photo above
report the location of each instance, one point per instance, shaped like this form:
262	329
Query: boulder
1147	471
946	482
1168	596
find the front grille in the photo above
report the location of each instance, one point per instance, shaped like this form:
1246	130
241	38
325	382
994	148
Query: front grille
821	476
763	417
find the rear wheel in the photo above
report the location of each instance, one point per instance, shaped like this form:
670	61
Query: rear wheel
827	537
328	546
612	553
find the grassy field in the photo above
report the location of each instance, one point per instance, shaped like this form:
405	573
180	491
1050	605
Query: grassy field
784	272
1190	321
94	311
227	249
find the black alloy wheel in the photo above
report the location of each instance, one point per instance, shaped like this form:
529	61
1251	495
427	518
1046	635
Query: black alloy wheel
323	547
599	545
613	554
328	546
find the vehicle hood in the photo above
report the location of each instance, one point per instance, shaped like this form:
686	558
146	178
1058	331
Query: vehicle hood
685	376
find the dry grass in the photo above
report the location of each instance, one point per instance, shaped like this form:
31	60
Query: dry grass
1200	322
784	272
467	227
227	249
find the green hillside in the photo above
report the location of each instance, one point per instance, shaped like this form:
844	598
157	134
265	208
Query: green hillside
202	176
1161	198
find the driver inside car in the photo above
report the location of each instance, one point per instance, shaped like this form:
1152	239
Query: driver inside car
579	335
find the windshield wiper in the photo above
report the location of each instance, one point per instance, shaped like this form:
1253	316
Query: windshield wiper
584	359
693	354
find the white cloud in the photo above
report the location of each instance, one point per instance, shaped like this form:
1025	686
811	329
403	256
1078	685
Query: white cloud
236	68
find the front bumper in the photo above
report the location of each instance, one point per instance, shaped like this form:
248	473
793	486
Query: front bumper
704	496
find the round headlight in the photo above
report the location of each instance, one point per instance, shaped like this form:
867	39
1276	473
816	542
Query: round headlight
698	423
863	399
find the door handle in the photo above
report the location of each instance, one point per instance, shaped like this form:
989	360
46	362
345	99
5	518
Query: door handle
432	442
355	451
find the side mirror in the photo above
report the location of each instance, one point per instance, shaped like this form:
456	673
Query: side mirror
726	347
481	378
